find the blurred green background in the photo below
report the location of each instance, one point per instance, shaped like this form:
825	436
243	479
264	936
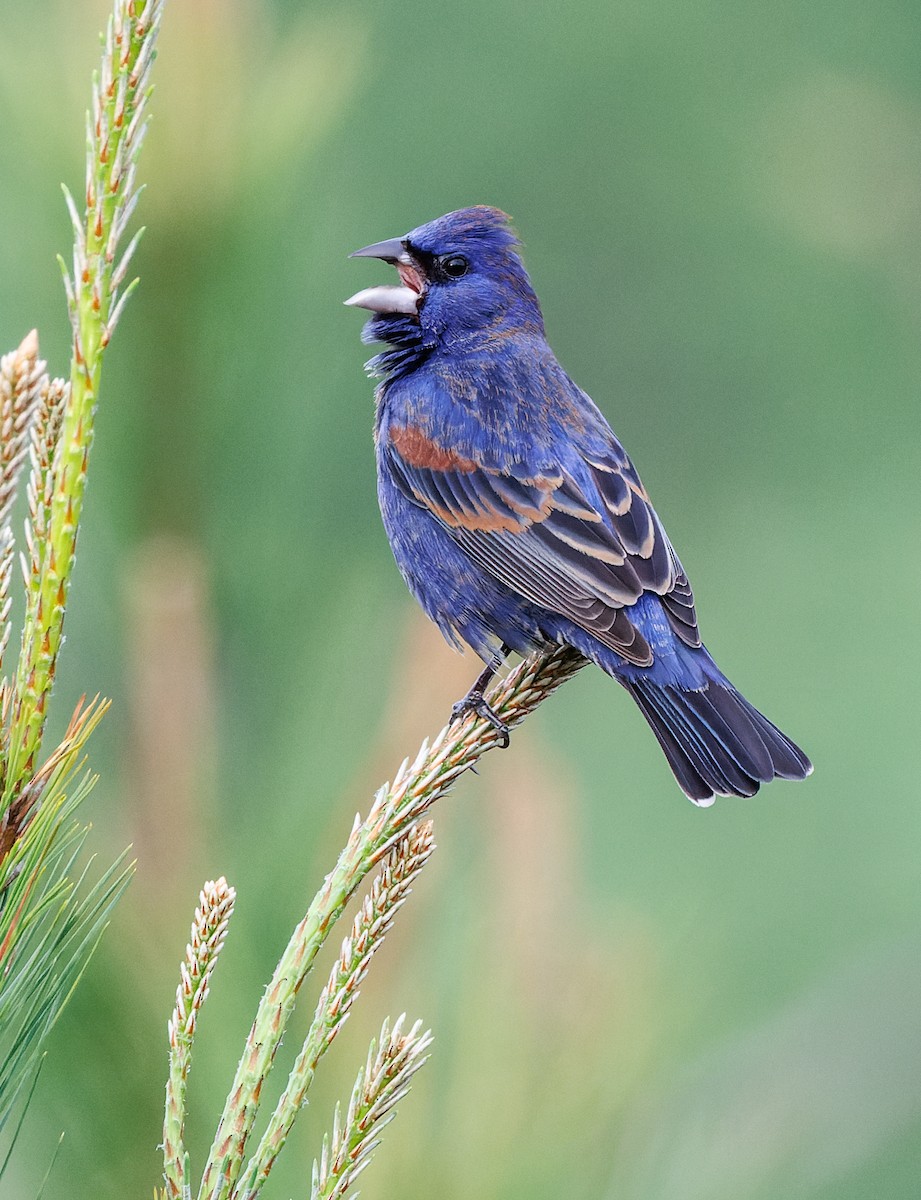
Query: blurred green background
721	210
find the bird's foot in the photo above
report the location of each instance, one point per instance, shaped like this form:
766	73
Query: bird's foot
476	702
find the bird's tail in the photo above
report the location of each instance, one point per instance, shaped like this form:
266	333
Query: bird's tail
715	741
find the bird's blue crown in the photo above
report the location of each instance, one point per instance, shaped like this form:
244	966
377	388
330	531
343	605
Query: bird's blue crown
479	229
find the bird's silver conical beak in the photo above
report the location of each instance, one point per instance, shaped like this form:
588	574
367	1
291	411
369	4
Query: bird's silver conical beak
392	298
392	251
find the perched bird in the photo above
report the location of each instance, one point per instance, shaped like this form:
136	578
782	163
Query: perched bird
516	517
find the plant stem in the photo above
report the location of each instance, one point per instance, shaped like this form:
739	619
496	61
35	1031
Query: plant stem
206	940
375	917
115	130
396	806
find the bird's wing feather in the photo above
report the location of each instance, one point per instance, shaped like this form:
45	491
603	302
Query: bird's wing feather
585	550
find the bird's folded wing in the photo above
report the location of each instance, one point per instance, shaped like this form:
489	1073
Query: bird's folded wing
584	556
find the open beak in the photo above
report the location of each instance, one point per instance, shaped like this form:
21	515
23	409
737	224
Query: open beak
392	251
391	298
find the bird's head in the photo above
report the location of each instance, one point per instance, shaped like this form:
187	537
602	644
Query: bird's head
459	275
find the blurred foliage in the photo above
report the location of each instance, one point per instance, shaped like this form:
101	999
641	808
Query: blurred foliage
721	208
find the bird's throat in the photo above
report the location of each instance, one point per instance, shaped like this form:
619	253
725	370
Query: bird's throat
407	346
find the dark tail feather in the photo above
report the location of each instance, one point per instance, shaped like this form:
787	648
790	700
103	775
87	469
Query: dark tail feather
715	741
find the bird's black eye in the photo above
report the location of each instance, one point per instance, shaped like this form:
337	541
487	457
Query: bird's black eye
454	266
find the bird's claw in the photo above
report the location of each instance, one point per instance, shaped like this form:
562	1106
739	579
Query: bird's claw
477	703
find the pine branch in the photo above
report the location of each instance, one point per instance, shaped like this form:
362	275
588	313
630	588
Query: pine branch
380	1086
51	914
396	808
115	131
209	929
22	380
375	917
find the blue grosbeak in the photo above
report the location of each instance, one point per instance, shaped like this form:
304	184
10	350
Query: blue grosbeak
516	517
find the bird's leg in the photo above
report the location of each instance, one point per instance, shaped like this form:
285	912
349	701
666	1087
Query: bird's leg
475	700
